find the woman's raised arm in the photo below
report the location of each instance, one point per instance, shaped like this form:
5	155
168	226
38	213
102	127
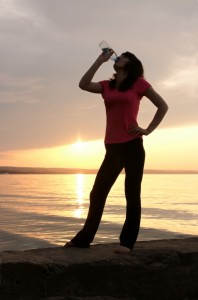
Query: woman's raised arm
86	81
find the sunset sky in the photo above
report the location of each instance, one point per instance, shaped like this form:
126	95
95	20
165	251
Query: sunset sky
47	45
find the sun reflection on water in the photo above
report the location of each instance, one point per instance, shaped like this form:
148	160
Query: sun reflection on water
79	195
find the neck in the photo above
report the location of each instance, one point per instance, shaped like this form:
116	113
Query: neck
120	77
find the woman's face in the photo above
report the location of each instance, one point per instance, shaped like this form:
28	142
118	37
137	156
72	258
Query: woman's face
121	62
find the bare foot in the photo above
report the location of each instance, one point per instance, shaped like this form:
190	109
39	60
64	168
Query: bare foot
122	250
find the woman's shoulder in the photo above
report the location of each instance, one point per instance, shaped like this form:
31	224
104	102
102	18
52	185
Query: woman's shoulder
142	81
141	85
104	82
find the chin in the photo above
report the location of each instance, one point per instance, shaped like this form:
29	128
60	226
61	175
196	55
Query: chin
115	66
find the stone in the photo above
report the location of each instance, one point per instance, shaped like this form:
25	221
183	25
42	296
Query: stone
157	270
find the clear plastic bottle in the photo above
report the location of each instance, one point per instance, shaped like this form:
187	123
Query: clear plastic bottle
105	47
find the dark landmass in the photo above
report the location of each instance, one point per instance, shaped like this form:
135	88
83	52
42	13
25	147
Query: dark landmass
154	270
30	170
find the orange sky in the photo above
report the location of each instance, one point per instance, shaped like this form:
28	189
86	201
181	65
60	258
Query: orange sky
173	149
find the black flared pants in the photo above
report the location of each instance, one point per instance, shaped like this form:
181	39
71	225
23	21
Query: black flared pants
130	156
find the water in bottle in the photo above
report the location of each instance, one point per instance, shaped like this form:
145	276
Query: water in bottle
106	48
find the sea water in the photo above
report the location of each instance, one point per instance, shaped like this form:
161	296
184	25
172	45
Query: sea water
47	210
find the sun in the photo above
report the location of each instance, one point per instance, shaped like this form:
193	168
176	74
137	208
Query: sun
79	144
85	154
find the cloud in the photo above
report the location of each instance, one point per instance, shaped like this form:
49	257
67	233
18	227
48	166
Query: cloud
185	75
15	89
181	90
46	46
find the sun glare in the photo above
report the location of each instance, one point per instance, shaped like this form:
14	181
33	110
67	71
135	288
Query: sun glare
79	144
80	195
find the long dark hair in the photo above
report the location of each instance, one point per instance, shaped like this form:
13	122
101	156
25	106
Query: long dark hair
134	70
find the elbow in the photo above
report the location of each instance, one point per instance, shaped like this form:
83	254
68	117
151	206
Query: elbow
82	86
166	107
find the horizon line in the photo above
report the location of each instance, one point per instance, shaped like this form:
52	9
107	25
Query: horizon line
63	170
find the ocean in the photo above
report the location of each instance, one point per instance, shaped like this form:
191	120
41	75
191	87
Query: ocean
39	211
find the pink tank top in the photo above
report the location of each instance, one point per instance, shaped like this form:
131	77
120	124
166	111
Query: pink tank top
122	110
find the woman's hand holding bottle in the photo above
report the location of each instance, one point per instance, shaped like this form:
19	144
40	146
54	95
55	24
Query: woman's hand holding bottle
107	50
105	56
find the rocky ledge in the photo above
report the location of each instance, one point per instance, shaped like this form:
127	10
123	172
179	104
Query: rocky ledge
157	270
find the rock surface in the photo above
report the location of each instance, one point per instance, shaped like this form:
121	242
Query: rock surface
157	270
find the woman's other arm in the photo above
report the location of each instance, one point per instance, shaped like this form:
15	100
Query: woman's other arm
162	109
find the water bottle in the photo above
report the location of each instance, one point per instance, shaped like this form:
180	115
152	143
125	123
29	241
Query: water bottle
106	48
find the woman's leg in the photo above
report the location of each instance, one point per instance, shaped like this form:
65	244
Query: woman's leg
107	175
134	166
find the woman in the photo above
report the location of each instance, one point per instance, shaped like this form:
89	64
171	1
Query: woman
123	143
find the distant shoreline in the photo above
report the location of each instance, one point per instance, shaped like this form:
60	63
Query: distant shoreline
31	170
